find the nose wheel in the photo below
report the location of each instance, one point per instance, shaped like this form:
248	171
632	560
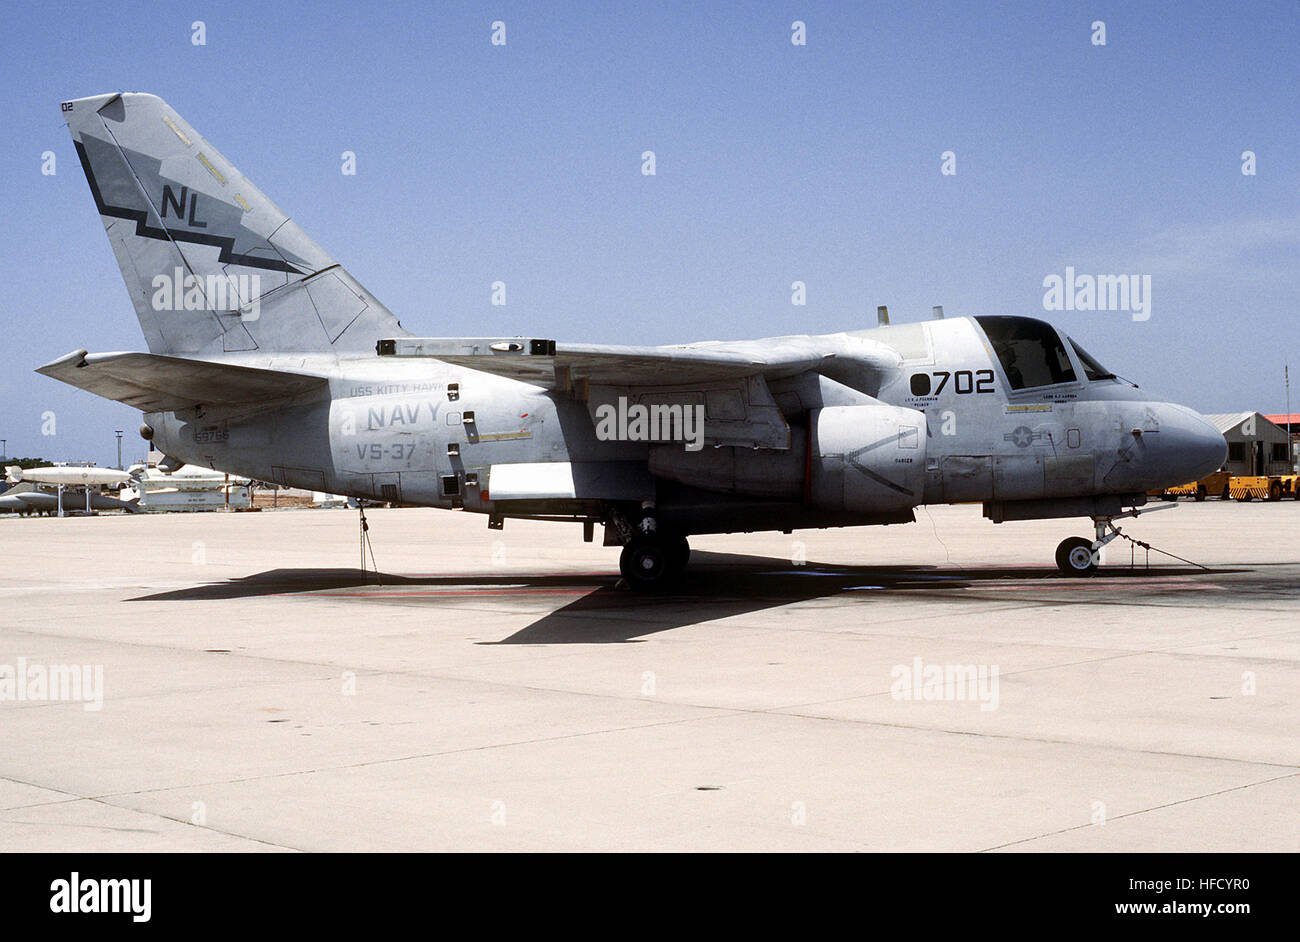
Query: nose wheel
1078	556
1075	557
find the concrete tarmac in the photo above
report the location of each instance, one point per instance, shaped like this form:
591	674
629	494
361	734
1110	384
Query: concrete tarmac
930	687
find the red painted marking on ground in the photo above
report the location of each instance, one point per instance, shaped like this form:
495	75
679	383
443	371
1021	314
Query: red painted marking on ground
430	592
494	574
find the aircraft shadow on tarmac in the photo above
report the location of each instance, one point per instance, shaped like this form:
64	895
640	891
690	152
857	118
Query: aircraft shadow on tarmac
717	585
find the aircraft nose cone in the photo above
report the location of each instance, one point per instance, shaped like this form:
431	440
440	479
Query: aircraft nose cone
1192	447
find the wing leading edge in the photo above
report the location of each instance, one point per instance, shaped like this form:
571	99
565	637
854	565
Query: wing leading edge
857	362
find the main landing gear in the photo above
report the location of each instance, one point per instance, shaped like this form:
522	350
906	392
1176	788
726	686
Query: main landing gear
1077	556
653	557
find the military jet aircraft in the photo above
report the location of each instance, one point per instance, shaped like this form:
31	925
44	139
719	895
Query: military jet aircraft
267	359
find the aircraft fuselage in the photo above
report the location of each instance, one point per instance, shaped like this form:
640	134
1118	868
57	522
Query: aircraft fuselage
395	429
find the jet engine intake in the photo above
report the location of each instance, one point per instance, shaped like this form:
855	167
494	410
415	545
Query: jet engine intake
867	458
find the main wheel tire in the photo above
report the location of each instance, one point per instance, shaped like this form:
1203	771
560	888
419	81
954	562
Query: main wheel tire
1075	557
647	564
1200	492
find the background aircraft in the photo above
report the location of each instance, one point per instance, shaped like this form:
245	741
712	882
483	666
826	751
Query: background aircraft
32	496
269	360
27	499
68	475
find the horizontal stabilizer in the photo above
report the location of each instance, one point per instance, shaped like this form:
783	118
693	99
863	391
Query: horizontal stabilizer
151	382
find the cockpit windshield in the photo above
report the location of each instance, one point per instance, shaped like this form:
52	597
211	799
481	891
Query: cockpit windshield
1091	368
1030	351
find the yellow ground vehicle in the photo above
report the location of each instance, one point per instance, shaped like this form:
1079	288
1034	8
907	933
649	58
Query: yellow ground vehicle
1265	487
1248	487
1243	487
1213	485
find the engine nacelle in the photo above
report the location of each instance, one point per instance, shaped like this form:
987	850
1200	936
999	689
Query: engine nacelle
866	458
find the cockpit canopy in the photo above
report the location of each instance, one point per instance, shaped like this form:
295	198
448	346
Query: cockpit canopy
1033	354
1091	368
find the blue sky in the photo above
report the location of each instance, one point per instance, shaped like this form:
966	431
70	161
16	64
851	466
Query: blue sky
774	163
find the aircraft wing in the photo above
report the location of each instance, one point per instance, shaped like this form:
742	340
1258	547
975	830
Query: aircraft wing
623	365
855	361
730	380
154	383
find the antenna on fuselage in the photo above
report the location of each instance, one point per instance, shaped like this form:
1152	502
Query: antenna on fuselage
938	312
882	316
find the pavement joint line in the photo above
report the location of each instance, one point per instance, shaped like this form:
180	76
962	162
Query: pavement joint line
718	713
183	691
1038	739
787	710
1172	651
1141	811
73	798
561	652
396	759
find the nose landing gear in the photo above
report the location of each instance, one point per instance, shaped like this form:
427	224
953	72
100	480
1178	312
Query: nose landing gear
1077	556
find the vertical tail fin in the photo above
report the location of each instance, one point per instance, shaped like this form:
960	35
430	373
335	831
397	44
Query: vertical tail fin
211	264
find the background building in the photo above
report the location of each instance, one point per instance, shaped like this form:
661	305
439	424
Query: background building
1290	423
1256	446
